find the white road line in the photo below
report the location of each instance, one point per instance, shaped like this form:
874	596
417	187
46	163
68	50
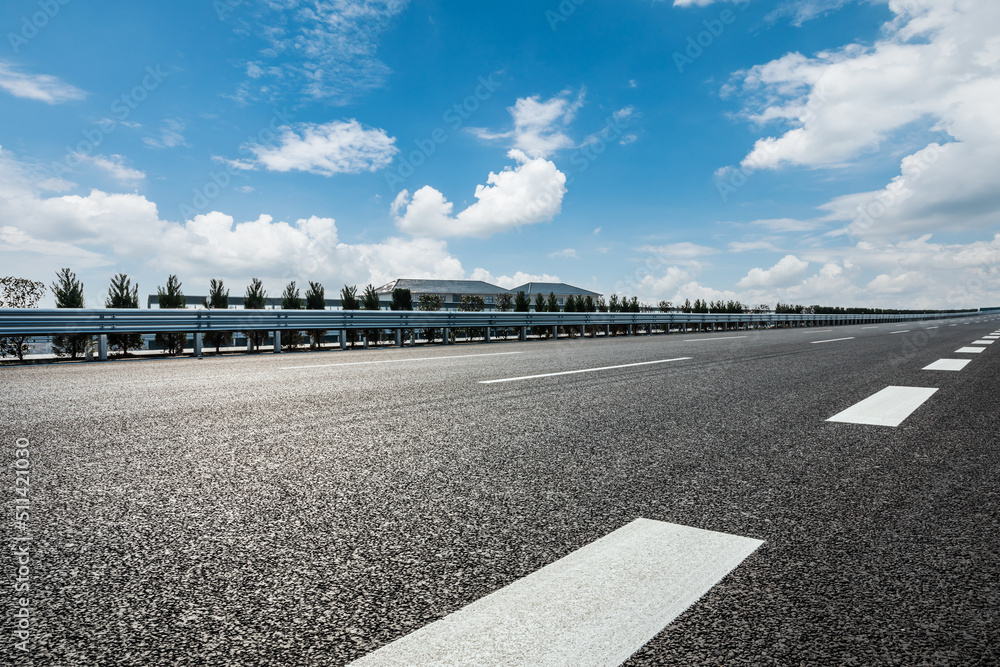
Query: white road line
947	365
399	361
969	350
697	340
869	327
930	327
821	331
903	331
583	370
982	342
832	340
596	606
888	407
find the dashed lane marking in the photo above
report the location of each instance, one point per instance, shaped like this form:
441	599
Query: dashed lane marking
399	361
982	342
888	407
583	370
596	606
969	350
903	331
869	327
832	340
947	365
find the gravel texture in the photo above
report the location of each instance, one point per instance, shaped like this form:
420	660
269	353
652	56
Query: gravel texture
226	511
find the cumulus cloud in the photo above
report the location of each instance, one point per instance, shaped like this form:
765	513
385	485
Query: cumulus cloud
125	232
40	87
937	67
328	149
531	192
787	271
539	127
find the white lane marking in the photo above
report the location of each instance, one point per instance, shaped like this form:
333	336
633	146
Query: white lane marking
888	407
583	370
696	340
869	327
903	331
982	342
930	327
832	340
821	331
596	606
399	361
947	365
969	350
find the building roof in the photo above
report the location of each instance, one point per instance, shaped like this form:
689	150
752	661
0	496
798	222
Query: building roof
427	286
561	289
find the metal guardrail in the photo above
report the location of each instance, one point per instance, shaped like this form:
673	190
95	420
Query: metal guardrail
52	321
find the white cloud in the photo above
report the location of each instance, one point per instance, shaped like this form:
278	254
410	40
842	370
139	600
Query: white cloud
40	87
539	126
568	253
114	166
170	135
332	148
516	280
325	49
597	230
787	271
530	193
936	68
102	231
678	251
751	246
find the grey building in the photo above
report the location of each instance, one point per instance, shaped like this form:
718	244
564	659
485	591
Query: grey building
561	290
450	291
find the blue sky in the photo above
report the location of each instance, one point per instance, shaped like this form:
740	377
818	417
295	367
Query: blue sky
829	151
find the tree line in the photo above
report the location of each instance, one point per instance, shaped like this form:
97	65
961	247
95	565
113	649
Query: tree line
122	293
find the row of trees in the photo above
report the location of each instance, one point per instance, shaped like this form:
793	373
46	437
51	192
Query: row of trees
122	293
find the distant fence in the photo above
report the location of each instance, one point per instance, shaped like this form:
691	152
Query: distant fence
100	322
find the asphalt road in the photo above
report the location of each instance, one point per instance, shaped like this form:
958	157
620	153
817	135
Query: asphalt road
293	510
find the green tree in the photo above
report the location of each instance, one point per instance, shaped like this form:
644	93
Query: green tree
472	303
291	299
68	292
122	294
18	293
503	302
255	298
402	299
540	308
218	299
171	297
429	302
370	301
316	300
522	304
349	301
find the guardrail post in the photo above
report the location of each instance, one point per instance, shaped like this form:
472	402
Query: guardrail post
277	342
102	347
555	332
365	339
399	338
522	334
343	339
489	337
197	344
447	336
